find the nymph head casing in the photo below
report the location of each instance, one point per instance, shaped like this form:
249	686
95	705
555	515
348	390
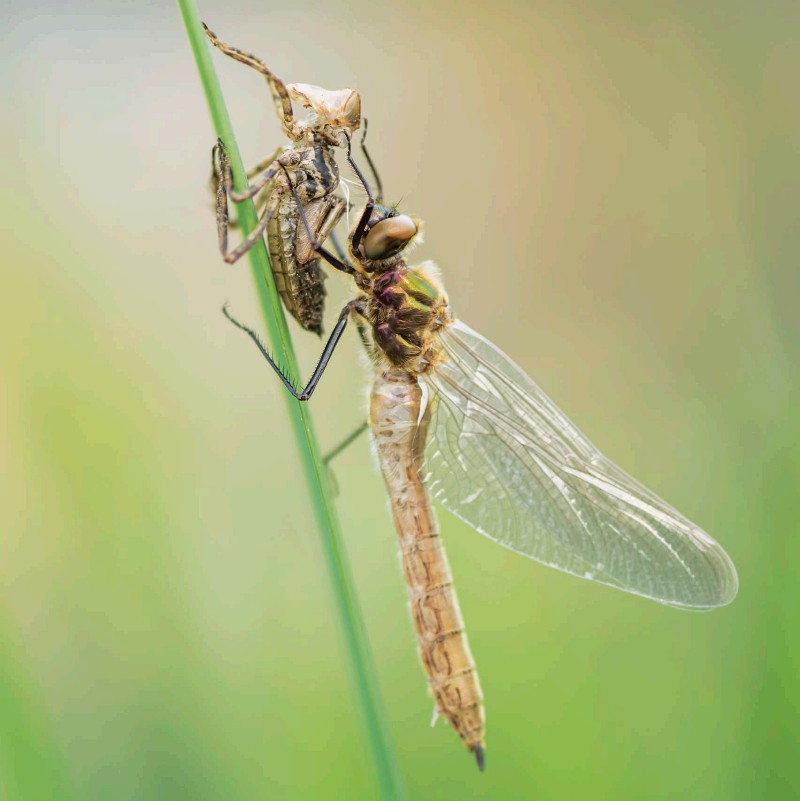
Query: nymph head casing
335	113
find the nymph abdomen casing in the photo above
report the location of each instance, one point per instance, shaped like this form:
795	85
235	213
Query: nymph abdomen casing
301	285
299	276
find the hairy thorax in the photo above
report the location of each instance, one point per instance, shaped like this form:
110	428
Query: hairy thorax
407	309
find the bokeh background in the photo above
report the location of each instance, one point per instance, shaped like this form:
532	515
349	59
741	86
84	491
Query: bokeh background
611	192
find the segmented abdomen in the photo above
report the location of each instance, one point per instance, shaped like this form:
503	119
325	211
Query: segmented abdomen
301	286
443	647
298	272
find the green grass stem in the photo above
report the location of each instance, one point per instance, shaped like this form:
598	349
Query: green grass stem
376	730
33	763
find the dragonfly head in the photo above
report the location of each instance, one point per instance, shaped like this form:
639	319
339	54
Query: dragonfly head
334	112
388	233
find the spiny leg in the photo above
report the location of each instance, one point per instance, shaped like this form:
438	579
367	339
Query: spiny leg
222	181
222	168
361	225
281	158
219	188
260	201
324	359
280	96
288	159
269	212
268	172
337	246
346	442
368	347
221	171
213	180
262	165
378	182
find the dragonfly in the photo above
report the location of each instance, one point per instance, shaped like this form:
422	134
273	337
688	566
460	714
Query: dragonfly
310	164
454	419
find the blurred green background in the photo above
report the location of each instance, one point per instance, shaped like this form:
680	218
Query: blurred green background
611	193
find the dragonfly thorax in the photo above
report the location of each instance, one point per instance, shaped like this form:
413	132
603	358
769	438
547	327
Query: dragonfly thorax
407	310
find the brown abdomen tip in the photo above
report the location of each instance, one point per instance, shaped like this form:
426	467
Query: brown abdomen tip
479	757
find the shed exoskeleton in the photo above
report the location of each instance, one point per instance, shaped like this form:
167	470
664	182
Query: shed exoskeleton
308	162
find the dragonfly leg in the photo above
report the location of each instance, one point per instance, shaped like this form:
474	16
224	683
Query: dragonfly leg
334	452
361	225
337	246
220	177
260	201
378	182
327	352
222	170
219	155
262	165
368	346
280	96
352	437
339	264
360	319
345	443
269	212
221	166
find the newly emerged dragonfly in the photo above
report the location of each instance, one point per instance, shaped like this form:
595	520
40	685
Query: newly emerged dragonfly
334	115
454	418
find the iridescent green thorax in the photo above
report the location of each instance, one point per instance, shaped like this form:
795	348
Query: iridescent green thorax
419	289
406	310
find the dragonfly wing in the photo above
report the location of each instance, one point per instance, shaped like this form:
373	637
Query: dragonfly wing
505	459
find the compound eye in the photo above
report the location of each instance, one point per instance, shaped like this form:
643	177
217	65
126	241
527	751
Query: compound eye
389	236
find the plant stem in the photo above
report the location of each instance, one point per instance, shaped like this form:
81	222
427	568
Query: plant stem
357	645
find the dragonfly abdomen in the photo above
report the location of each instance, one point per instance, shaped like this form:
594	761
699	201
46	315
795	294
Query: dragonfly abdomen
444	651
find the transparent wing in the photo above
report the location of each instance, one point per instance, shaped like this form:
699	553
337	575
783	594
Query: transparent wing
505	459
